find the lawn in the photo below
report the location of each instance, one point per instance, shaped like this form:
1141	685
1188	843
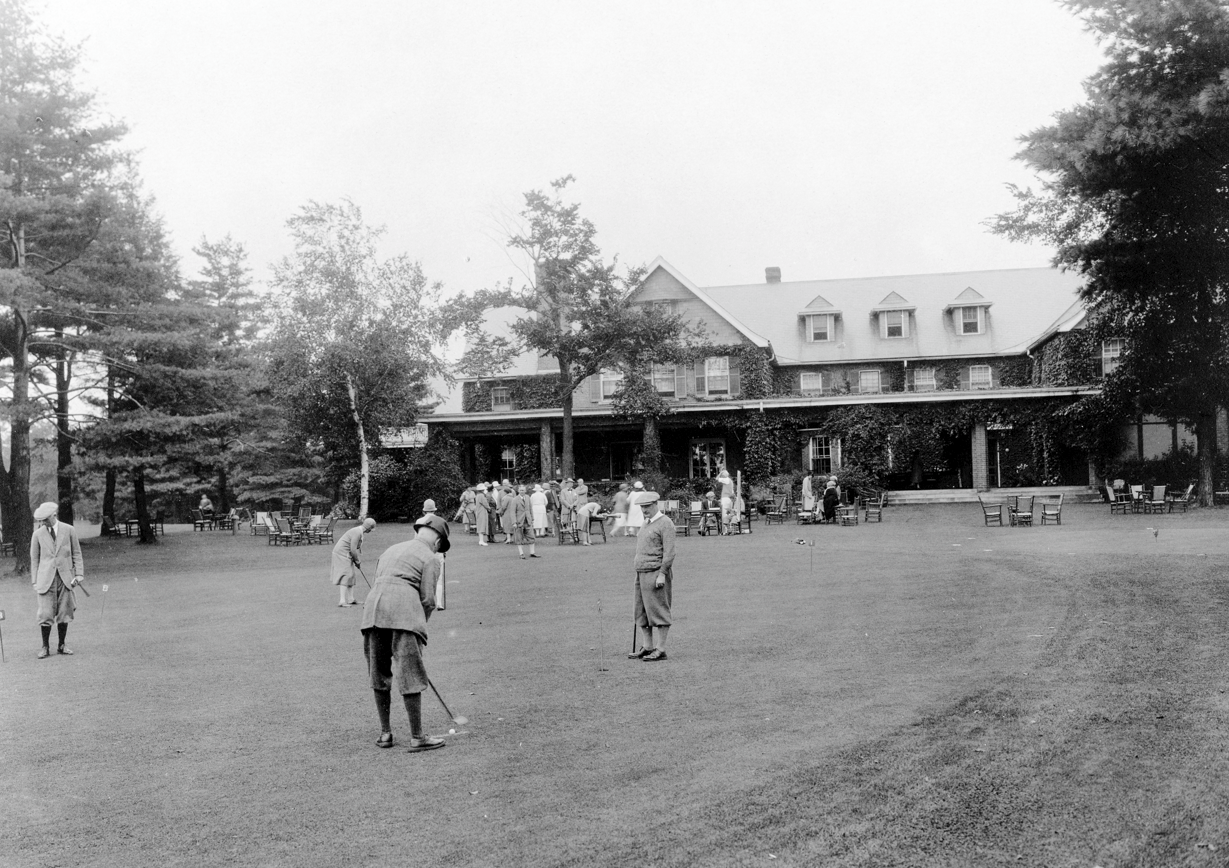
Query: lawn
926	691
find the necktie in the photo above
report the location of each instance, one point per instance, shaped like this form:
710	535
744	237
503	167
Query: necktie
52	529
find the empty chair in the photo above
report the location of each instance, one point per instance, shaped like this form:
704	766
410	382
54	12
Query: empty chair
324	533
776	512
1052	511
1137	498
260	525
200	521
1184	500
1119	502
874	507
1157	502
1022	512
992	512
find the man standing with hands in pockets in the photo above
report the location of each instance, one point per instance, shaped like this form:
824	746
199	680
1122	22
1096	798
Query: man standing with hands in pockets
654	577
55	568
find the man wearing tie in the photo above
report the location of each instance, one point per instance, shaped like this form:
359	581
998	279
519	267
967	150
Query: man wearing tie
55	568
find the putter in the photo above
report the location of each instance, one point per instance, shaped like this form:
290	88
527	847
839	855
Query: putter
364	575
459	721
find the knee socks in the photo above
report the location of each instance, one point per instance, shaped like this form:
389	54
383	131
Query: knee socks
383	703
63	628
46	634
413	707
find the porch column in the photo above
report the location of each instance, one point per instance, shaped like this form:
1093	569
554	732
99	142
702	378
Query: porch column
1094	481
469	460
546	449
981	467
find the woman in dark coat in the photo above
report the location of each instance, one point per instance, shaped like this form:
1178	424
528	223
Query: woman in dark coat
831	499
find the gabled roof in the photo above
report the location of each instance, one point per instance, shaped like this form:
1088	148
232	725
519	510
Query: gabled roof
1026	301
969	298
1073	317
757	339
818	304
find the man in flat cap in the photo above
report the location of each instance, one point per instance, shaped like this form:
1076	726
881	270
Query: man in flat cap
653	563
55	568
394	627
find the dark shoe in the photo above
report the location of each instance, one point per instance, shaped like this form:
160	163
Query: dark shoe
429	742
538	556
64	650
43	652
385	740
638	655
655	656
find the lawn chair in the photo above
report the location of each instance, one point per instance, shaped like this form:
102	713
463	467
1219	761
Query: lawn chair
227	522
260	524
741	516
874	507
312	531
109	528
777	512
807	516
1119	501
201	522
6	547
286	533
1185	500
1157	502
1052	511
1022	513
991	512
272	530
847	513
158	525
1137	498
325	533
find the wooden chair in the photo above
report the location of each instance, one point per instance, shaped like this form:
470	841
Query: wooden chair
1157	502
1022	512
1137	498
286	533
1185	500
324	533
777	512
1119	502
847	513
260	524
200	522
272	530
109	528
1052	511
7	547
227	522
807	516
991	512
874	507
742	517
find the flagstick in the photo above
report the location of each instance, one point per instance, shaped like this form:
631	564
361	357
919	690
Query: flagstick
2	660
601	640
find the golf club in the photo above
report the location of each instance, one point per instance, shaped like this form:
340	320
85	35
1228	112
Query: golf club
459	721
364	575
81	585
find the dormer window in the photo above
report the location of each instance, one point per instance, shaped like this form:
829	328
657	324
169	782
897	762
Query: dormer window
894	323
820	327
501	398
1111	355
972	320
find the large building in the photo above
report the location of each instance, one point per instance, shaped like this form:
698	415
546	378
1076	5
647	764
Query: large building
958	380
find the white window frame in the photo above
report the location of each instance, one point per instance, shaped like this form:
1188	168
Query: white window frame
507	462
829	322
611	379
885	318
821	450
705	458
716	368
978	321
878	382
664	374
924	380
817	384
498	392
669	306
1111	355
978	382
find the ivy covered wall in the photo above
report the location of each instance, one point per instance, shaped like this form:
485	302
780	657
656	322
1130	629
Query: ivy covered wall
950	375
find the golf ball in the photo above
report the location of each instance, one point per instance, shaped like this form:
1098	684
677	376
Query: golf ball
452	732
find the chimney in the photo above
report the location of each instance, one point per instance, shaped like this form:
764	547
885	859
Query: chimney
772	274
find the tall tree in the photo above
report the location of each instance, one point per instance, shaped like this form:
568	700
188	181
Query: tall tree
55	156
355	338
1135	196
575	305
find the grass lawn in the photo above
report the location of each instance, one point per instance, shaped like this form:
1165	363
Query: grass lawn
929	692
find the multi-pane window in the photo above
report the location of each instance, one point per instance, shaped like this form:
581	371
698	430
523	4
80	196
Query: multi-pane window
972	320
717	375
501	398
895	323
824	454
812	381
924	379
820	327
707	458
507	462
979	377
611	380
1111	355
868	381
663	379
669	308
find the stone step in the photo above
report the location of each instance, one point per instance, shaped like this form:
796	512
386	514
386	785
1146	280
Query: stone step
1072	494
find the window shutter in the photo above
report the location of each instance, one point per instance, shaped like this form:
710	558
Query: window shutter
966	378
701	382
595	388
680	380
904	323
734	378
883	324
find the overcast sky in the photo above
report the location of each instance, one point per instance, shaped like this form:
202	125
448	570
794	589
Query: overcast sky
832	139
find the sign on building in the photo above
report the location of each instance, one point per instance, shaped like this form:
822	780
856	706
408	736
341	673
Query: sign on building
404	438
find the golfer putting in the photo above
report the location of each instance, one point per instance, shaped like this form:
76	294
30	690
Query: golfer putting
394	627
347	557
654	563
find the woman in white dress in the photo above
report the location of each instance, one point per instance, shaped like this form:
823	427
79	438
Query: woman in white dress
635	515
537	501
808	495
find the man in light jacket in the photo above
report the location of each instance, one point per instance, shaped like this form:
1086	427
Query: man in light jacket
55	568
